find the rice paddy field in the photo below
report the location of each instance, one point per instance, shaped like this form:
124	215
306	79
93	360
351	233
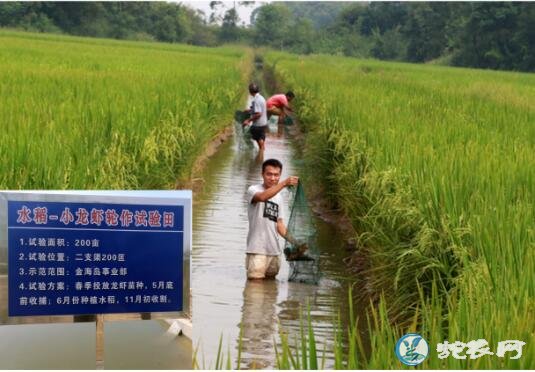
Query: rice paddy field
435	168
85	113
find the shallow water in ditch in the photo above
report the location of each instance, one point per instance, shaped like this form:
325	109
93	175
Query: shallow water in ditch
223	300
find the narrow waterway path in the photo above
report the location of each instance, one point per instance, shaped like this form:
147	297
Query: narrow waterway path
223	300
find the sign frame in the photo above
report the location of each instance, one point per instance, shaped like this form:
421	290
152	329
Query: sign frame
149	197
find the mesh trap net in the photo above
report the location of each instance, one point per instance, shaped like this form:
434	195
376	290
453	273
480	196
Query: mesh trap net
288	120
243	134
240	116
301	250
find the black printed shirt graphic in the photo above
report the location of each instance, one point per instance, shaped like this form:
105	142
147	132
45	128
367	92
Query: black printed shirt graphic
262	237
271	211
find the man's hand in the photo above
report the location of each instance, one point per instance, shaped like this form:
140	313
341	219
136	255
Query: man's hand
298	253
291	181
274	190
255	116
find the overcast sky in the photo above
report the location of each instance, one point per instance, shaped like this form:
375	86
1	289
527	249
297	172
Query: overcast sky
243	11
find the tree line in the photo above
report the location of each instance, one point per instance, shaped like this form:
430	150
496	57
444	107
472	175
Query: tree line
496	35
144	21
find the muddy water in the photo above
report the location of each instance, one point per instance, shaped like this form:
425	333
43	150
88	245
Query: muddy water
223	300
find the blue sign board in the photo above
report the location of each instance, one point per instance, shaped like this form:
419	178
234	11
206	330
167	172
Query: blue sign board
94	258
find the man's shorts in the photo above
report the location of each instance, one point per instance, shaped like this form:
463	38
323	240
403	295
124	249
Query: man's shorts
258	133
260	266
274	111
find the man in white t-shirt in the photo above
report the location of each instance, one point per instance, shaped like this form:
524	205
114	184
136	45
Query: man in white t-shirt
266	222
258	117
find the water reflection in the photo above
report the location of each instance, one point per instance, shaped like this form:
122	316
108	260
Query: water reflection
259	323
127	345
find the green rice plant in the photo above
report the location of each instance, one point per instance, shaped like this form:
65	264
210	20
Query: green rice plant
353	352
80	113
434	167
220	358
304	355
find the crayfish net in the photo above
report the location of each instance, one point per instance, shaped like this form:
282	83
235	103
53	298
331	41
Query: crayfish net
300	249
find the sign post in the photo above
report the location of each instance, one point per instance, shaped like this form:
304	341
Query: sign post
100	341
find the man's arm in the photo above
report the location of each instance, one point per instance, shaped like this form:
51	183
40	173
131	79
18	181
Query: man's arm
281	228
283	231
274	190
253	117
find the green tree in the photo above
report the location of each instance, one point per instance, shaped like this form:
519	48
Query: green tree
320	13
214	18
229	28
350	18
383	16
488	36
525	38
425	30
11	13
300	37
271	24
389	45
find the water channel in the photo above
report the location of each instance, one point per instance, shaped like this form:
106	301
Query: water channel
223	300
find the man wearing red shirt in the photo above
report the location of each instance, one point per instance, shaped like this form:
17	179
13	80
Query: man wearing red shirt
279	105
